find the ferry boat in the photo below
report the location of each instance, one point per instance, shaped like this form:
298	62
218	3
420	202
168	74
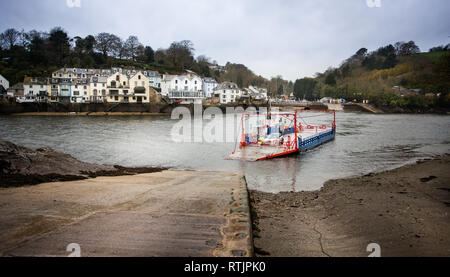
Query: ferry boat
268	136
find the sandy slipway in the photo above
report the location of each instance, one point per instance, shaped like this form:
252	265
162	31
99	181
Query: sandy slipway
128	213
164	214
406	211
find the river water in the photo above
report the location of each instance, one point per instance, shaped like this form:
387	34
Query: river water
364	143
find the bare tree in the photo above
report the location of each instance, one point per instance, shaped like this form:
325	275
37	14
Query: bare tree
106	43
9	38
132	46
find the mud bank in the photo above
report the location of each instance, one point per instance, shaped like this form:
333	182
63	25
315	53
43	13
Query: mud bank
405	211
21	166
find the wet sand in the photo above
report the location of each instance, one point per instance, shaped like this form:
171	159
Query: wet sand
405	211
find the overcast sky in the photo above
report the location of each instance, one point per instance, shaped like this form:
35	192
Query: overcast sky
292	38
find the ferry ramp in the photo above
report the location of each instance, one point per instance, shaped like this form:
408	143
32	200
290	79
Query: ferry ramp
166	214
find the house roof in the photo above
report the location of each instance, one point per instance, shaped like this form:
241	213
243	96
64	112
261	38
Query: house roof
226	85
209	80
17	86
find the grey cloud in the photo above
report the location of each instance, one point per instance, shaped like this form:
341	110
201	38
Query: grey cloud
293	38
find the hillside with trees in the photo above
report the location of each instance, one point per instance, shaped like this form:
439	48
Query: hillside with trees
378	76
38	54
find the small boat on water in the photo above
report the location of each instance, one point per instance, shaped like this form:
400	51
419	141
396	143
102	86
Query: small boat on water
268	136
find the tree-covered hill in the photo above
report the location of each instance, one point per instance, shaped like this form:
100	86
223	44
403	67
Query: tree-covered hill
373	76
38	54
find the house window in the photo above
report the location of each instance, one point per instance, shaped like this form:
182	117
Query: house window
124	83
176	81
139	77
117	78
116	98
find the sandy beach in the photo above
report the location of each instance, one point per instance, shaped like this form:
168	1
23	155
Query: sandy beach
405	211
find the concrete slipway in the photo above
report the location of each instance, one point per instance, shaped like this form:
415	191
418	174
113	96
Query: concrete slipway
171	213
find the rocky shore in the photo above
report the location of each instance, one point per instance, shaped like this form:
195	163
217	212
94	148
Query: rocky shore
20	166
406	211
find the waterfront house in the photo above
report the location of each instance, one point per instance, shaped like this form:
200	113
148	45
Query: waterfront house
227	92
139	89
79	91
186	88
35	90
154	78
59	90
97	89
209	84
16	90
258	93
121	89
117	86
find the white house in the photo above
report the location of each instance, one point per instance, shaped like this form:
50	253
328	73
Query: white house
258	93
209	84
4	83
186	88
34	90
80	91
227	92
97	89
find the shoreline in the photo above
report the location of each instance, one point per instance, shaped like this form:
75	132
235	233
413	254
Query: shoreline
89	114
404	210
99	114
21	166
